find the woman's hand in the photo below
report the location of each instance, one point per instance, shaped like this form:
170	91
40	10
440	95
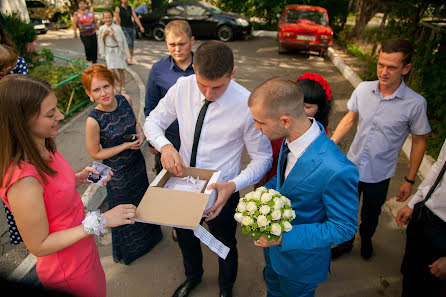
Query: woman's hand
111	32
139	141
81	177
120	215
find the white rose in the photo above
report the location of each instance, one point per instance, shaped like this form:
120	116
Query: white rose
276	214
286	201
273	192
249	196
262	221
278	203
251	207
287	225
261	189
247	221
264	209
238	217
266	197
276	229
241	207
256	195
288	214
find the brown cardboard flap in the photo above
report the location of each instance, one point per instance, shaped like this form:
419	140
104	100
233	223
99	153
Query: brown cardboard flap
172	208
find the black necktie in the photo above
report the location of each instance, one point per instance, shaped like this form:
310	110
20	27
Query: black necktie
283	162
198	126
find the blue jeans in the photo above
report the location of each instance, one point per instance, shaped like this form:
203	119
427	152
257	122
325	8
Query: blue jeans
281	286
129	33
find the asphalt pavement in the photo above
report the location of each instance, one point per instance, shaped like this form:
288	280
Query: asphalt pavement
159	272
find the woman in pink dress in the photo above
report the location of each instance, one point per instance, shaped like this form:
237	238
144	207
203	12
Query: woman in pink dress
39	187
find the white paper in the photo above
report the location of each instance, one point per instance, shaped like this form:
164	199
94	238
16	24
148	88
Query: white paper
188	184
213	243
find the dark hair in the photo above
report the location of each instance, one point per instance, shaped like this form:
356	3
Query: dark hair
109	11
278	96
213	60
20	99
315	94
397	45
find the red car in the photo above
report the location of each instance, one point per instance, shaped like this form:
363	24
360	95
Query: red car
304	27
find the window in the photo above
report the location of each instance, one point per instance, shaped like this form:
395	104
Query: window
175	10
195	10
306	16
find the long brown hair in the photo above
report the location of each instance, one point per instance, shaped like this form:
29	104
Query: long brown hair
20	100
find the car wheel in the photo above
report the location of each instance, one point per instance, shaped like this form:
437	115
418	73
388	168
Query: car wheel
158	33
282	50
323	54
224	33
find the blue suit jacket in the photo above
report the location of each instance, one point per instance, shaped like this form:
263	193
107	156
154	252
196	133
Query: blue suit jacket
323	189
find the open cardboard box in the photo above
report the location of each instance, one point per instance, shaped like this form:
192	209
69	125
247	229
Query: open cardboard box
176	208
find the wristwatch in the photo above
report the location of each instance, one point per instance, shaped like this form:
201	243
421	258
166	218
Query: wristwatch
409	180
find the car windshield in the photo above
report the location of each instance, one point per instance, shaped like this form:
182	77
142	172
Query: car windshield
306	16
214	9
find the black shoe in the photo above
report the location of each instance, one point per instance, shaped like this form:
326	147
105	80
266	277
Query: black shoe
366	248
341	249
226	293
185	288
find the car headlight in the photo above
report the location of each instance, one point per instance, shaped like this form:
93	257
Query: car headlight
242	22
325	37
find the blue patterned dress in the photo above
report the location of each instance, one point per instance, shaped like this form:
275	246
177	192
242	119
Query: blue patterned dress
128	184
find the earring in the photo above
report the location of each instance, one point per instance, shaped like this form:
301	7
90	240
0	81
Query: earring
91	99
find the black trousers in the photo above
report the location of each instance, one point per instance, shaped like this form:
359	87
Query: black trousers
176	142
373	197
426	242
91	47
223	228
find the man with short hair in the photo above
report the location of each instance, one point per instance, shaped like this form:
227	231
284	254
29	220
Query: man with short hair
165	73
215	125
387	110
318	179
125	15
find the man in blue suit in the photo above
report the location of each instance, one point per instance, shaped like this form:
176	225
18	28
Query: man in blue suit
320	182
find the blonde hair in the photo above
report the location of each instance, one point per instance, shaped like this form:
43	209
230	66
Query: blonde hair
8	57
20	100
178	27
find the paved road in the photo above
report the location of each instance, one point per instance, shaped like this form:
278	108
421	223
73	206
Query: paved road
160	272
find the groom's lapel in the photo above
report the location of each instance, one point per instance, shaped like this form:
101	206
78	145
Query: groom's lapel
304	166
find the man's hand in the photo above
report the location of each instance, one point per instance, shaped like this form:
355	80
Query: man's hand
438	268
141	28
171	160
403	216
404	192
263	242
224	191
152	150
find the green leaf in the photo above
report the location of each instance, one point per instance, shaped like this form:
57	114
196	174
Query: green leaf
269	217
268	228
248	228
256	213
255	234
245	213
271	203
254	226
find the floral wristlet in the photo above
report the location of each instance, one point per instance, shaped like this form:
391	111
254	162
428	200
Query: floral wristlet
94	223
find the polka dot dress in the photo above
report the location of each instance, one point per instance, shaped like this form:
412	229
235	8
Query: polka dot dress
14	235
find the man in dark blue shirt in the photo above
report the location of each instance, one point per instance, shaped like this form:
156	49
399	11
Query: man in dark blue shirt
164	74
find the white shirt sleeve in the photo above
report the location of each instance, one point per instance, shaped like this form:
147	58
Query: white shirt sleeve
424	187
260	152
160	119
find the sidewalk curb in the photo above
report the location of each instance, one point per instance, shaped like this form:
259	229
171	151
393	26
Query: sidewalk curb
94	195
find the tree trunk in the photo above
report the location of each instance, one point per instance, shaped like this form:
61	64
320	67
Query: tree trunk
349	9
378	37
365	10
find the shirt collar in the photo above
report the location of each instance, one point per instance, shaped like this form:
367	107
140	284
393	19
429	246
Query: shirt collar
300	145
173	66
399	93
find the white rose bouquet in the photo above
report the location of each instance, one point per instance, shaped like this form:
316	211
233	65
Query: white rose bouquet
264	212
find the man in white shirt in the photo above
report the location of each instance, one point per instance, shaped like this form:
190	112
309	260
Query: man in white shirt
423	267
215	124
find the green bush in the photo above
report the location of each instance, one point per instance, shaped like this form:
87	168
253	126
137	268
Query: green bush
44	68
19	31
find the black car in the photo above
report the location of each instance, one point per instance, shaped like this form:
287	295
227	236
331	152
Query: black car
204	19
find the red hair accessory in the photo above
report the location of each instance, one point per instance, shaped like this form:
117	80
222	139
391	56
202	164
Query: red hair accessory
319	79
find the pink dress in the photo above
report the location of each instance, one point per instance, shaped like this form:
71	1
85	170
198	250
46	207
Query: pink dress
75	269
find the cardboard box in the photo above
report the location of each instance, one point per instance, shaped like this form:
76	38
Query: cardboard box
176	208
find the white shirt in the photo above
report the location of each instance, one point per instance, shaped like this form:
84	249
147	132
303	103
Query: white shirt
300	145
228	126
437	201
